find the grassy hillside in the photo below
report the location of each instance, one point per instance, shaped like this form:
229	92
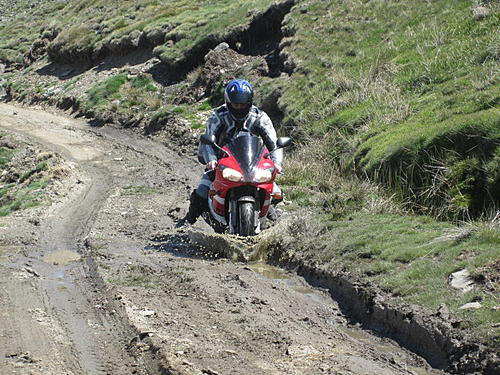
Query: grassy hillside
89	30
405	92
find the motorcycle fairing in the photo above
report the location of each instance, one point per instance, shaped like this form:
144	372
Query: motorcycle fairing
247	150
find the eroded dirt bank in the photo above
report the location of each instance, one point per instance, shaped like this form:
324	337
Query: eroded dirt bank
101	281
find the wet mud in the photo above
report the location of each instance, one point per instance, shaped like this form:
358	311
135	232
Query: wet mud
61	257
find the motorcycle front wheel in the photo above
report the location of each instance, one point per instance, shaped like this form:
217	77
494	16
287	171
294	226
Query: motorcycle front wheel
246	219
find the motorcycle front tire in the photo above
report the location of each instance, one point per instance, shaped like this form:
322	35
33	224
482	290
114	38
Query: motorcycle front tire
246	216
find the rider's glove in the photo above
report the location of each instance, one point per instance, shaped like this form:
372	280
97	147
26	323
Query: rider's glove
211	165
279	168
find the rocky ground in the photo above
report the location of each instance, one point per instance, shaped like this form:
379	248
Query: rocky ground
101	281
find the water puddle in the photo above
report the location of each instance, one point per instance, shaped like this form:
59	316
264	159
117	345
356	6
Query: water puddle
275	273
61	257
268	271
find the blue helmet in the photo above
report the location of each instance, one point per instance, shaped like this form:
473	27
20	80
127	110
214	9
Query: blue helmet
238	91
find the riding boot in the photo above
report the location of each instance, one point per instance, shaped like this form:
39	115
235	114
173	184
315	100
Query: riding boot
274	213
197	205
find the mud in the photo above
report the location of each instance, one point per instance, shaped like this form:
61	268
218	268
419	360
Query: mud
143	299
61	257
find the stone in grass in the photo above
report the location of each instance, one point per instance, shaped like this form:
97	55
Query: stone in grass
461	280
471	305
478	13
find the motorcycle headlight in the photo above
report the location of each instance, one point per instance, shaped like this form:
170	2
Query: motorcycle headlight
263	175
232	175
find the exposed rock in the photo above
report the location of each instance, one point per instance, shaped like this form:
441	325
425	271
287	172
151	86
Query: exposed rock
443	312
43	156
8	143
38	50
296	351
221	47
461	280
471	305
223	63
9	176
147	313
480	12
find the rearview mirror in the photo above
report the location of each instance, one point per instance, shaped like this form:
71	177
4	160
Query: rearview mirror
283	142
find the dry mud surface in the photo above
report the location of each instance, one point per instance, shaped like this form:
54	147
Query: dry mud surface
101	282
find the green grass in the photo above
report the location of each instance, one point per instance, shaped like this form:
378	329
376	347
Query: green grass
14	197
5	156
204	107
137	277
136	280
160	114
406	93
410	258
105	91
83	28
186	112
142	82
27	191
42	166
123	96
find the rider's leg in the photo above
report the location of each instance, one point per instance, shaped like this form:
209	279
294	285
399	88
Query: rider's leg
277	194
198	201
274	213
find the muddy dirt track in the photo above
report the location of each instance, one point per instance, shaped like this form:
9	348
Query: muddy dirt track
101	282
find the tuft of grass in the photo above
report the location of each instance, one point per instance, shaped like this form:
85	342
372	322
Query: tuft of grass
138	276
136	280
14	198
204	107
27	191
160	114
142	82
42	166
104	91
5	156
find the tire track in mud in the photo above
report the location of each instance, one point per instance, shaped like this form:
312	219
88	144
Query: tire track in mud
73	336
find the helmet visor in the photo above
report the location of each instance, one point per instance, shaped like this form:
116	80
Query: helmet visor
239	111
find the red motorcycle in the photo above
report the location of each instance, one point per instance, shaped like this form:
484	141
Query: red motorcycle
242	189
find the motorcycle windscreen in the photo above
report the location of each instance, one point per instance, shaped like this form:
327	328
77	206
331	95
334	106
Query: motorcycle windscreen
247	149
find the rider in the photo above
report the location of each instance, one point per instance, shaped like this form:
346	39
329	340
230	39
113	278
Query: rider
236	115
